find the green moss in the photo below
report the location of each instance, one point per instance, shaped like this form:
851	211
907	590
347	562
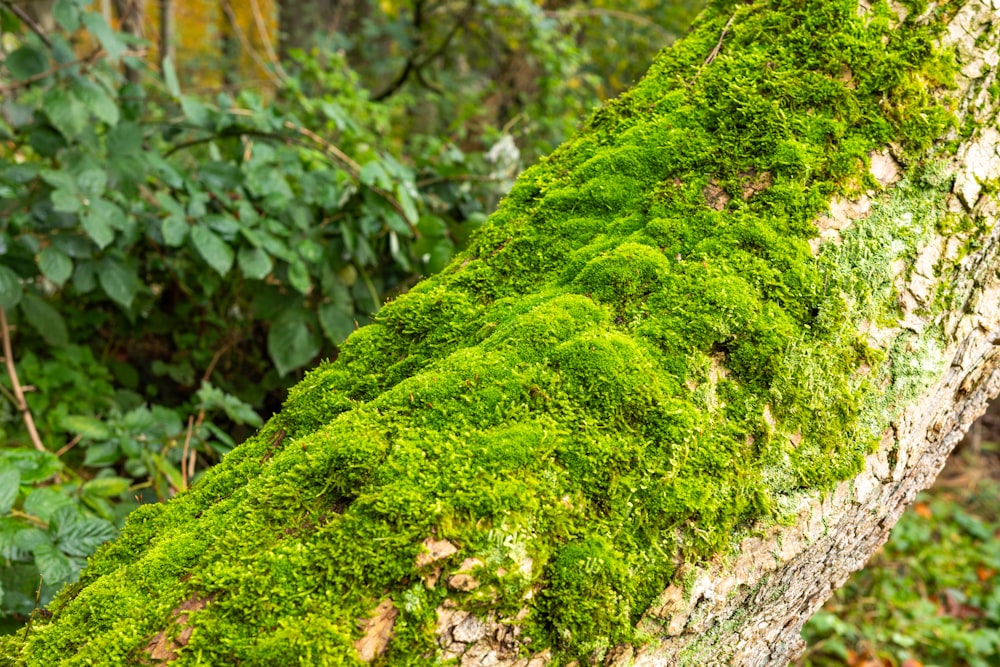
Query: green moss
636	359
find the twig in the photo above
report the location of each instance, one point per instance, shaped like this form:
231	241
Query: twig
247	46
86	60
22	404
207	375
23	15
265	39
718	47
184	454
411	60
69	445
38	596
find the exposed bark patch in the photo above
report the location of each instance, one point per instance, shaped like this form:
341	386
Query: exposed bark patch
716	197
378	631
161	648
756	183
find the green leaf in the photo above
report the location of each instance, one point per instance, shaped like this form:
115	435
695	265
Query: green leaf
254	263
10	484
45	319
374	174
45	501
97	228
67	15
170	78
106	487
88	427
83	536
92	182
337	322
298	276
26	62
291	344
33	464
110	212
407	203
109	39
101	455
196	112
11	289
118	280
94	97
65	111
52	564
55	265
65	201
213	249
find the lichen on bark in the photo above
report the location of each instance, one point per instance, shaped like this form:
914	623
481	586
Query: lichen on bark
640	357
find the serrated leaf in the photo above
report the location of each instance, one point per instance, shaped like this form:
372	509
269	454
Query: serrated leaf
298	276
52	564
374	174
337	323
97	228
45	319
94	98
45	501
170	78
254	263
33	464
88	427
66	113
10	485
55	265
11	289
26	62
29	539
106	486
118	280
291	344
213	249
110	212
109	39
83	536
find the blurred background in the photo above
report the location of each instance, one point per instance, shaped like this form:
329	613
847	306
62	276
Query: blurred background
200	200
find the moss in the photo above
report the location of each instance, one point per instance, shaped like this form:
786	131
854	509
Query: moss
636	359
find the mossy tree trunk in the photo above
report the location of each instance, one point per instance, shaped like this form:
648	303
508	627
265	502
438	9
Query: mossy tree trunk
678	388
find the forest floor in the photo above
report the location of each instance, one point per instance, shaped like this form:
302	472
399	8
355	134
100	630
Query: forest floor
931	595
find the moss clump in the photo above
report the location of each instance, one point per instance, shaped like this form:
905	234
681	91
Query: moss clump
636	357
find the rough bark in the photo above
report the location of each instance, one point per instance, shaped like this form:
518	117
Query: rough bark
357	526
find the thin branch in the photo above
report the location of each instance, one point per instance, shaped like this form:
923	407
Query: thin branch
69	445
86	61
207	375
411	60
22	404
258	19
38	595
184	454
718	47
30	22
247	46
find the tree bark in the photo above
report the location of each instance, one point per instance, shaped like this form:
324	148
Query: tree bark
499	470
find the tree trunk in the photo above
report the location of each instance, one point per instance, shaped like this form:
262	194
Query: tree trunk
677	389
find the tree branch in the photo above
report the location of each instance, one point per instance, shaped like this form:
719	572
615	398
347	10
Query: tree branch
22	403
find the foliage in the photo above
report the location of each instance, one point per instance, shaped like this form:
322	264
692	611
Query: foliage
931	596
170	261
635	360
